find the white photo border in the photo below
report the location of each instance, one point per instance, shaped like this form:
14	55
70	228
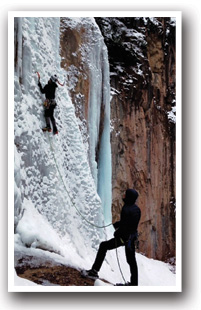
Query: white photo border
178	16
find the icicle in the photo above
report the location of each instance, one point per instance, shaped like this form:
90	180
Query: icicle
99	99
105	164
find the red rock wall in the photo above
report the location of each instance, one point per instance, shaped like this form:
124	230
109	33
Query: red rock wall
143	148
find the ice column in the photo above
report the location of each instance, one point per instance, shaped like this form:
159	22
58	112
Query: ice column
99	122
105	164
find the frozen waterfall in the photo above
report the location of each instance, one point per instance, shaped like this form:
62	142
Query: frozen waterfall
46	191
94	56
99	100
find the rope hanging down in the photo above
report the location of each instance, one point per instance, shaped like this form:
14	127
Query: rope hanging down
119	262
84	218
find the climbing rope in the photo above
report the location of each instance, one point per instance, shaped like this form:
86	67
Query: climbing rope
84	218
119	262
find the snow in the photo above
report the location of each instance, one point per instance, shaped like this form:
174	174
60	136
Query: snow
172	114
101	283
45	238
55	187
152	273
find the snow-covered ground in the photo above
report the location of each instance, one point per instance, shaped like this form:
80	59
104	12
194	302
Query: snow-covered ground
55	191
153	274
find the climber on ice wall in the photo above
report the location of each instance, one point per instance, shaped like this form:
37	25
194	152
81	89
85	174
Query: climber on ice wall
50	103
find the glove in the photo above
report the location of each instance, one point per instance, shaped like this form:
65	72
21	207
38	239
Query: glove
117	233
116	224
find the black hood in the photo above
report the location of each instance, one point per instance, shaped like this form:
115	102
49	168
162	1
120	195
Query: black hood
131	196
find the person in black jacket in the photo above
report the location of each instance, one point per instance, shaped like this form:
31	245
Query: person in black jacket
50	103
124	235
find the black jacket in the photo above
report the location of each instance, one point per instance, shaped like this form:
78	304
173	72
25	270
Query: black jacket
130	217
48	90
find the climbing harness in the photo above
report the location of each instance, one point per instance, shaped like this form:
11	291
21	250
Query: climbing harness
53	153
49	102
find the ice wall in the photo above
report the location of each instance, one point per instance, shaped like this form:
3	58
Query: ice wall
96	56
54	189
85	58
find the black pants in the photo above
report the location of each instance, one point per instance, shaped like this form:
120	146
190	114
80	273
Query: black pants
130	257
49	116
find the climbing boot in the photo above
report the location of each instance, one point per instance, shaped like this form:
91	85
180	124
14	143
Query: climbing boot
46	129
91	274
123	284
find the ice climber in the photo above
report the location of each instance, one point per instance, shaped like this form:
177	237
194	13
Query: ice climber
50	103
125	235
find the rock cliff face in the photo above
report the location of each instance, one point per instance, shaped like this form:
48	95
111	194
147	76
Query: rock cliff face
71	40
142	79
142	65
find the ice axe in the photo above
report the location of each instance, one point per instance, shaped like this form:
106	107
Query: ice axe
38	75
60	83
